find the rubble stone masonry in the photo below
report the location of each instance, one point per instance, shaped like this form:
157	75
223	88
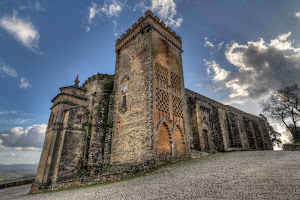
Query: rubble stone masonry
141	118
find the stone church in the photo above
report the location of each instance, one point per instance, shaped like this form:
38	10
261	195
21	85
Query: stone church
142	117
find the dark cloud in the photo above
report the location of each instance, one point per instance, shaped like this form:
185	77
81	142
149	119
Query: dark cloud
28	139
261	67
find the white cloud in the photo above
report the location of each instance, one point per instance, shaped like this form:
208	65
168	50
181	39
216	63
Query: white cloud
220	46
166	10
110	8
286	137
8	70
113	8
175	23
142	5
13	121
8	112
297	15
115	24
261	67
219	73
26	149
1	146
24	83
22	30
93	10
216	48
38	6
208	43
20	139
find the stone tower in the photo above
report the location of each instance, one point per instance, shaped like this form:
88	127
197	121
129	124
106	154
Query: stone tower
149	112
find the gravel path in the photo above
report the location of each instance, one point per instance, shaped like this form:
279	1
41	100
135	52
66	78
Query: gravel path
236	175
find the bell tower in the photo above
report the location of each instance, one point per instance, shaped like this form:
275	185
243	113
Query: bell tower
149	114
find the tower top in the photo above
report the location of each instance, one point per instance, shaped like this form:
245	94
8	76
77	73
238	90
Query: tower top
76	82
137	27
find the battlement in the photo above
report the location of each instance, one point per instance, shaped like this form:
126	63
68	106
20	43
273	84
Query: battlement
98	77
134	27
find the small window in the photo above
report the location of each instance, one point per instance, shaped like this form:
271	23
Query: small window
78	119
125	88
124	102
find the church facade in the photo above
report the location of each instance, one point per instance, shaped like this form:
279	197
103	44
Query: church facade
140	118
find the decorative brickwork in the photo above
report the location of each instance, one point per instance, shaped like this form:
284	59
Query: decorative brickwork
177	106
162	100
162	75
175	83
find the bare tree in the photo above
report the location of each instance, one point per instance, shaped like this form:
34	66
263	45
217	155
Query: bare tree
284	105
275	136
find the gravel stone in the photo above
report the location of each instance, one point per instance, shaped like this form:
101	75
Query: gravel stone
236	175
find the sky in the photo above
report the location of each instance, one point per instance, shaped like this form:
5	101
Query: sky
235	52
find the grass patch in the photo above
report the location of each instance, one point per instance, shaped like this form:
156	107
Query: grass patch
297	142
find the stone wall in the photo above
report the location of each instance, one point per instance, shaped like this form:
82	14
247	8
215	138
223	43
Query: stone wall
123	125
78	137
218	127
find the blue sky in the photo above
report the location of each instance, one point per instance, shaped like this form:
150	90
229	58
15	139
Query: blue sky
235	51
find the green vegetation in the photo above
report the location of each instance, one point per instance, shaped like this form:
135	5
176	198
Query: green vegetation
86	123
106	124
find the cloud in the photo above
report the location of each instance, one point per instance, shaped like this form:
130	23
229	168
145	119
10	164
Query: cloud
286	137
26	149
24	83
208	43
216	48
220	46
110	8
93	10
38	6
261	67
8	112
14	120
166	10
22	30
219	73
20	139
115	24
1	146
297	15
8	70
142	5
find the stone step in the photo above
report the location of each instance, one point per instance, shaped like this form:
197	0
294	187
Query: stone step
196	153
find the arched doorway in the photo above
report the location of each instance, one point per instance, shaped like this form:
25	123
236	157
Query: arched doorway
164	140
179	142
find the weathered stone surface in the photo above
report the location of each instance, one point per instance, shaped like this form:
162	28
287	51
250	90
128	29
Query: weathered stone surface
218	127
118	126
291	147
237	175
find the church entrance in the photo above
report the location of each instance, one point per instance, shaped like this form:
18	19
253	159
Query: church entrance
164	141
